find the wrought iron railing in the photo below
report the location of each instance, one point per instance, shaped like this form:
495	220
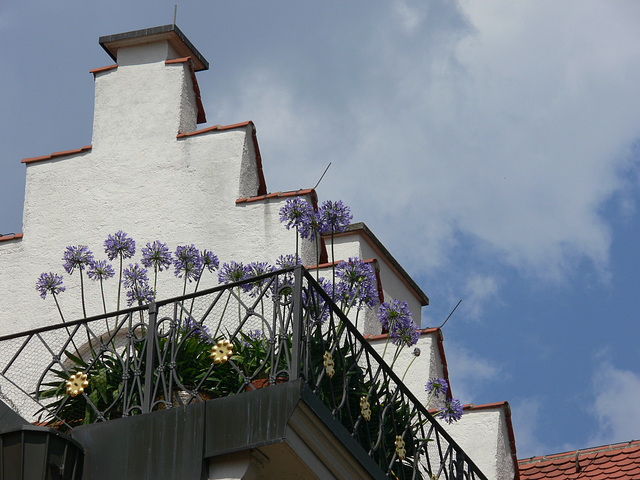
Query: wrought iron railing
225	341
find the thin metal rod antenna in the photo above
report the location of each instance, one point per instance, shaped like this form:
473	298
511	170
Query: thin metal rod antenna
454	309
175	13
325	171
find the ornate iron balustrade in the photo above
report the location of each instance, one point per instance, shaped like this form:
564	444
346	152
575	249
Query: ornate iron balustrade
225	341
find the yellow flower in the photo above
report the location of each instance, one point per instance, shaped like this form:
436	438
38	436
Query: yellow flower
400	447
328	364
364	408
76	384
222	351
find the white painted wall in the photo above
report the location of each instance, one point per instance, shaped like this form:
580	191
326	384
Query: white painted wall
483	435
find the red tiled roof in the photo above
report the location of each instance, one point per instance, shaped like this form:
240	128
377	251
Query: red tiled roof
57	154
609	462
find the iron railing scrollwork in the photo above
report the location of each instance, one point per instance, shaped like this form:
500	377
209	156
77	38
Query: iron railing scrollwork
225	341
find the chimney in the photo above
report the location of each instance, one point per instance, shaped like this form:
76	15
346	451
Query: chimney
151	91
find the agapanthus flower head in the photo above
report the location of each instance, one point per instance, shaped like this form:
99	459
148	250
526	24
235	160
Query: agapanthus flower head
357	282
200	330
451	410
78	256
416	352
186	261
404	332
134	276
253	336
312	225
336	216
156	255
140	294
294	211
119	245
100	270
209	261
391	313
437	386
233	272
49	283
286	261
255	270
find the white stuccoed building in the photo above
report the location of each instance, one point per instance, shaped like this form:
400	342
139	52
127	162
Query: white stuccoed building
151	172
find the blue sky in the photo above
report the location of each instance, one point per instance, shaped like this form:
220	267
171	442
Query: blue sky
492	146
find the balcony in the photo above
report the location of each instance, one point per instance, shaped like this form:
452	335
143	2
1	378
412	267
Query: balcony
265	374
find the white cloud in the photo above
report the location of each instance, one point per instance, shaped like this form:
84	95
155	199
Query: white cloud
615	405
504	123
478	291
469	372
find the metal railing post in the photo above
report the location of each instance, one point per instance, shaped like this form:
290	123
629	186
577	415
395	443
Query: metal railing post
296	341
151	345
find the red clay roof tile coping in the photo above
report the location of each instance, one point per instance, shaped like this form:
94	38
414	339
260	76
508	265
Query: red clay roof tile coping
16	236
84	149
104	69
215	128
268	196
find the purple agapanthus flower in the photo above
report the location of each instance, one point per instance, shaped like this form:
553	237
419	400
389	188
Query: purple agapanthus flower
286	261
390	314
49	283
255	270
78	257
100	270
336	216
156	255
119	245
252	336
437	386
200	330
404	332
135	276
357	283
139	294
186	261
294	211
451	410
312	225
233	272
209	261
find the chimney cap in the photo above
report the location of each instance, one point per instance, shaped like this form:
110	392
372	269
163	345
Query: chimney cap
177	39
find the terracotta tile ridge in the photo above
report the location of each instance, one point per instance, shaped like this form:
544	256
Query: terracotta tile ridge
215	128
268	196
86	148
103	69
10	236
